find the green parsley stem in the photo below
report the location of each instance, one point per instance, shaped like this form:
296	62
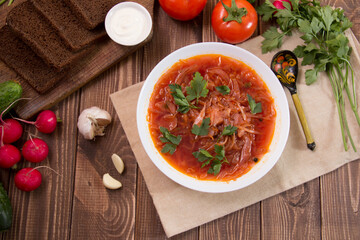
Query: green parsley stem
336	94
353	100
338	77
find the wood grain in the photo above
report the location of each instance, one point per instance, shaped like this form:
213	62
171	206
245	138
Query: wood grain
50	205
169	35
340	203
102	56
243	224
294	214
98	212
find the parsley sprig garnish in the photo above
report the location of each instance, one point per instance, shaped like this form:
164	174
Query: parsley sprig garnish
215	162
196	90
255	107
203	129
228	130
180	99
325	46
224	90
171	141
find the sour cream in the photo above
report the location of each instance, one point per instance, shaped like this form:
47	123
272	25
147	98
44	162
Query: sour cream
128	23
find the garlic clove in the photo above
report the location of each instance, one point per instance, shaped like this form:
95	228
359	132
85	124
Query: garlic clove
110	182
103	121
118	163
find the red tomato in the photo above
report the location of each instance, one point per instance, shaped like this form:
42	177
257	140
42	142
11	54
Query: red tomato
232	31
183	9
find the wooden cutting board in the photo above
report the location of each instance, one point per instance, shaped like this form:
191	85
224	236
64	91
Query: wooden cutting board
105	54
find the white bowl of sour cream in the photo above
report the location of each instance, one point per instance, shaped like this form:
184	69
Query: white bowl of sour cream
128	23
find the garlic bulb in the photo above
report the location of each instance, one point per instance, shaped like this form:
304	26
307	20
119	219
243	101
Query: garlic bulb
92	122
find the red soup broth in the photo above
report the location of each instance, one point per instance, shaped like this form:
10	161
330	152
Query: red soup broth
245	147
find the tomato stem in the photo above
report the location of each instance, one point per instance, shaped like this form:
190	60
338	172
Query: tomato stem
234	13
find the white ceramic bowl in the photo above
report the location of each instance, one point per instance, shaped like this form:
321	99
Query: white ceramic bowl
282	123
131	27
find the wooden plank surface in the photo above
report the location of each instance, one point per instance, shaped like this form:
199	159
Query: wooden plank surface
171	35
76	206
103	55
340	190
50	207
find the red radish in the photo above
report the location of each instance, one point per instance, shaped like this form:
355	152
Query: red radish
35	150
9	156
12	130
45	121
279	5
28	179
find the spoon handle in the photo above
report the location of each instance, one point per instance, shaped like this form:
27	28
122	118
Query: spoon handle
309	140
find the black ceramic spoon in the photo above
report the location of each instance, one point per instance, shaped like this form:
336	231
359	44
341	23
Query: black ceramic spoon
285	66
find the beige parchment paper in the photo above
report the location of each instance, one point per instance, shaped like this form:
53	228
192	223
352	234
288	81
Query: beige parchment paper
181	209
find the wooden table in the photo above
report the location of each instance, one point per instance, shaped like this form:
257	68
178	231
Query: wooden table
75	205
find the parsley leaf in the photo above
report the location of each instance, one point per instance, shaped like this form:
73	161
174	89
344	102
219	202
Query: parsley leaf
220	153
180	99
203	156
273	39
266	10
168	137
203	130
229	130
215	167
310	76
171	140
169	148
224	90
304	26
254	106
197	88
215	162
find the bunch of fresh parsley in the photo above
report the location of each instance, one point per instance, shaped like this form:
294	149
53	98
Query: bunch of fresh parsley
325	46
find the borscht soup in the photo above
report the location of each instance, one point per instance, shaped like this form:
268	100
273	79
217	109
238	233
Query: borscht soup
211	117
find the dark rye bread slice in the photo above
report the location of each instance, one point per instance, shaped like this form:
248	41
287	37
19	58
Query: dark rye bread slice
36	32
18	56
67	25
91	12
